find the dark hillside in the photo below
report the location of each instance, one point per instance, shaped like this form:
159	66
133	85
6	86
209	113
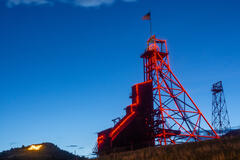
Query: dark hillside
48	151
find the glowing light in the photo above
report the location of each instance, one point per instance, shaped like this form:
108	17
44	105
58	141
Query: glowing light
35	147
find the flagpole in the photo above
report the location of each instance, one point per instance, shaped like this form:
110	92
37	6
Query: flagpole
148	17
150	23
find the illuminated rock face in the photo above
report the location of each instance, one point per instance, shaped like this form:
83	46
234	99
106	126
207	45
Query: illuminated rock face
35	147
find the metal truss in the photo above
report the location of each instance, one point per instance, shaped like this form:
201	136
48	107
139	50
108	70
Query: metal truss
177	119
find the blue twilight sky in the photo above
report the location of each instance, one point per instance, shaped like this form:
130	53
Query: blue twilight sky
67	66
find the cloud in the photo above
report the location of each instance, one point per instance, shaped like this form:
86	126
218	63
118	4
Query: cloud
82	3
11	3
92	3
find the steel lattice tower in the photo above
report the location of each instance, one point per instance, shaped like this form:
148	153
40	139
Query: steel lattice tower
220	118
177	119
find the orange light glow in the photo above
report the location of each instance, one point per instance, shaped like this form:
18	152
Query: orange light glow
121	124
100	140
35	147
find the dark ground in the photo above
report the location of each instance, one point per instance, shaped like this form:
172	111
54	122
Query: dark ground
226	148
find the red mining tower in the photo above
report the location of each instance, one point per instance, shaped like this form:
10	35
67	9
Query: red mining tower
161	112
177	119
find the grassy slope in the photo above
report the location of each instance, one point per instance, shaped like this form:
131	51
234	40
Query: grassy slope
227	148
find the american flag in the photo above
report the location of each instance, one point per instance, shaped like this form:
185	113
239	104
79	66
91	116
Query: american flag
147	16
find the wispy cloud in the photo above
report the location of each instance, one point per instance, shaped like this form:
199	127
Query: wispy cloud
83	3
92	3
11	3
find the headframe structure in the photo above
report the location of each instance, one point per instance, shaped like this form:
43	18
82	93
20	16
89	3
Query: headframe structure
161	113
177	119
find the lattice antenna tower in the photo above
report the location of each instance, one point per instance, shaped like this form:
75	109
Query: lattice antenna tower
220	118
